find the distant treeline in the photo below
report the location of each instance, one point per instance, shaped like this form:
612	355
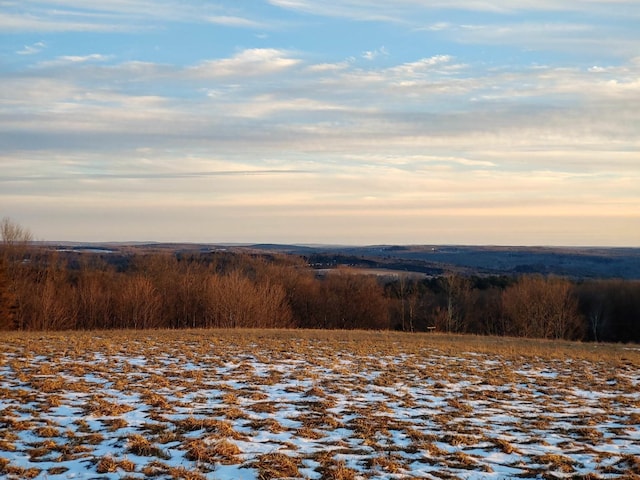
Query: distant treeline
48	290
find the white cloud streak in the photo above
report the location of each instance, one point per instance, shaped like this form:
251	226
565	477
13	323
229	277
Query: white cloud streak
113	16
250	62
373	10
32	49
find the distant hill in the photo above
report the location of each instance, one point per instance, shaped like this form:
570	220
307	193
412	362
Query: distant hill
573	262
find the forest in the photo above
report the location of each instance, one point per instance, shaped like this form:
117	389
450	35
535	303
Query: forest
42	288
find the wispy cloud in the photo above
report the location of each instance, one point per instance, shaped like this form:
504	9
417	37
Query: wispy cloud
584	38
233	21
371	9
115	16
403	106
32	49
29	16
68	60
146	175
373	54
501	22
250	62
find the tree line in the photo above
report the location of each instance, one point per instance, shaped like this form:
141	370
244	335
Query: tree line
43	289
531	305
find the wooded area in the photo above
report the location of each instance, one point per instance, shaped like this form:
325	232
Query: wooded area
45	289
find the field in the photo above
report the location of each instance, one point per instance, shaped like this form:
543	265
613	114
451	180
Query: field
249	404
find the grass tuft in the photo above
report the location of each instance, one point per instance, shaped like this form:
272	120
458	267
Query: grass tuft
139	445
276	465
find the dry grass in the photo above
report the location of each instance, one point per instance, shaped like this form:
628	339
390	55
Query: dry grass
558	462
504	445
337	470
276	465
221	451
268	424
100	407
387	463
158	401
310	433
47	431
402	399
139	445
114	424
108	464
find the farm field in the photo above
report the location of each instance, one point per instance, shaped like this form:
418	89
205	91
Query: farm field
264	404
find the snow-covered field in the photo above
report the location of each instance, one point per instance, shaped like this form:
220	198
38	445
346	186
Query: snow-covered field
335	405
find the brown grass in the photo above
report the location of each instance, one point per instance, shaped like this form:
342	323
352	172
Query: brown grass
276	465
559	462
387	463
422	374
226	451
306	432
107	464
222	451
139	445
114	424
57	471
337	470
100	407
183	473
158	401
269	424
47	431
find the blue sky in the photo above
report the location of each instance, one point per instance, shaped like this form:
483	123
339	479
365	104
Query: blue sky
351	122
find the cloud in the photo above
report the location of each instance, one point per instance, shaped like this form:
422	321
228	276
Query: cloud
68	60
268	106
579	38
427	102
373	54
404	9
435	63
32	49
250	62
54	21
604	25
144	175
328	67
233	21
113	16
360	11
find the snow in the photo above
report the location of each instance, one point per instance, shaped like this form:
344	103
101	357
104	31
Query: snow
428	413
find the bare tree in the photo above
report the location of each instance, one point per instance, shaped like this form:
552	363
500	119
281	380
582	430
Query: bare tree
95	299
14	243
190	298
542	307
413	304
139	303
236	301
402	293
355	302
12	233
55	305
457	289
7	299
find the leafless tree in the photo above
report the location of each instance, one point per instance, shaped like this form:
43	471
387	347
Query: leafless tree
457	289
13	234
139	303
541	307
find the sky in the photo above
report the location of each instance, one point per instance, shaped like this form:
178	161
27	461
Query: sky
343	121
